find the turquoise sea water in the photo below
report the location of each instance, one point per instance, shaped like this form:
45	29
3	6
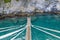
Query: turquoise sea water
47	23
10	25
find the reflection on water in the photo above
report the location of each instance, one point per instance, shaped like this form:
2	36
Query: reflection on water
13	26
48	23
12	22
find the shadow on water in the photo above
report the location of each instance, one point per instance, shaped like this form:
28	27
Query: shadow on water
12	22
49	21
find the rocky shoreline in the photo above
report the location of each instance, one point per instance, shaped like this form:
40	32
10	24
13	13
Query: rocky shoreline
26	14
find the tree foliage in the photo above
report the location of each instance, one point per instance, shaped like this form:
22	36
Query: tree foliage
6	1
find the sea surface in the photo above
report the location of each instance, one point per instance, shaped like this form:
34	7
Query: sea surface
43	27
47	27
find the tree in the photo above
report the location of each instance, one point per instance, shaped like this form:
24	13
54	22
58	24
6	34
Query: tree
6	1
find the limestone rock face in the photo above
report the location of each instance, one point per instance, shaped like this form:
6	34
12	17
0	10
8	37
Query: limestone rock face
29	5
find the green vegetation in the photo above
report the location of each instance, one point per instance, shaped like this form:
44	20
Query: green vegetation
6	1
